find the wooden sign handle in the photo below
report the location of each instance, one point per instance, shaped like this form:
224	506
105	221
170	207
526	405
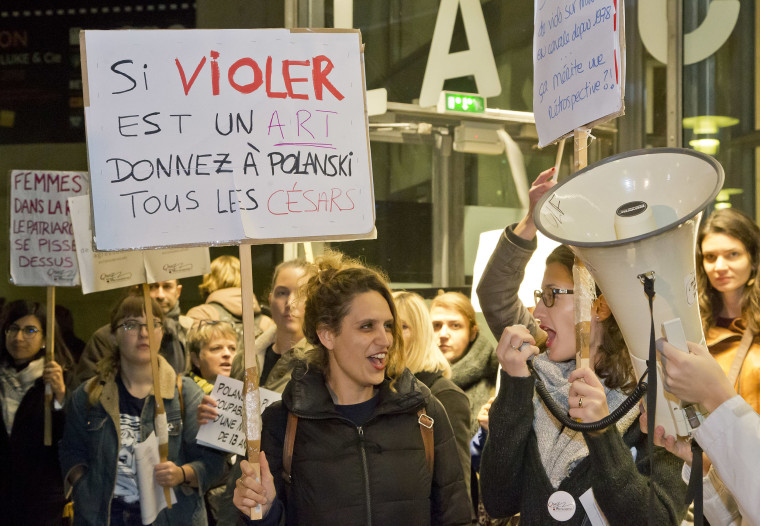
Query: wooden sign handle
251	400
582	280
49	357
162	427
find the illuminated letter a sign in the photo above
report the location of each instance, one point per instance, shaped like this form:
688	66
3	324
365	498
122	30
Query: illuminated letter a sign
477	61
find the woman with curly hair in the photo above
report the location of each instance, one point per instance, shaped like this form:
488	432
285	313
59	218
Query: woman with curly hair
363	452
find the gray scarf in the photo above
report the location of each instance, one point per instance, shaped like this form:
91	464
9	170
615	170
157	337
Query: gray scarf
14	386
561	448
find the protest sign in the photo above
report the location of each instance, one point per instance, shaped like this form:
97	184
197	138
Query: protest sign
201	137
226	432
578	65
111	270
42	251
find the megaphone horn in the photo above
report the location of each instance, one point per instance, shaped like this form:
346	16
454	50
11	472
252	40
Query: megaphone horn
633	217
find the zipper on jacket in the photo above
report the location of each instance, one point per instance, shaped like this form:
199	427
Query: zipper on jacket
360	430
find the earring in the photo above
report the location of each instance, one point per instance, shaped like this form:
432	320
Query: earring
750	282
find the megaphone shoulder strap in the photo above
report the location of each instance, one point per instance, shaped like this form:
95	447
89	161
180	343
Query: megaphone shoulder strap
741	353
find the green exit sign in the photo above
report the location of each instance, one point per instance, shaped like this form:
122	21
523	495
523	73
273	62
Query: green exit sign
461	102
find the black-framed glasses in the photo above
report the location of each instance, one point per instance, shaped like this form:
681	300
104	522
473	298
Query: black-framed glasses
27	331
547	295
136	326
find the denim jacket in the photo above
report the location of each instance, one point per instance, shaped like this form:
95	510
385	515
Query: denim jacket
90	447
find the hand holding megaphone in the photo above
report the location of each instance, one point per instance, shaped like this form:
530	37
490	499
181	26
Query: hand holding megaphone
516	346
694	376
526	228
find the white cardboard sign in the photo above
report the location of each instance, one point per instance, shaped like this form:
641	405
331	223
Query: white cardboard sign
42	251
578	65
202	137
111	270
226	433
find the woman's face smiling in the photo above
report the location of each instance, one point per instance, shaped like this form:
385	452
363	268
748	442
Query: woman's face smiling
558	320
358	354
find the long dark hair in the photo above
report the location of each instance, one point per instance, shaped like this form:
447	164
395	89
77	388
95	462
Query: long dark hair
612	362
16	310
740	226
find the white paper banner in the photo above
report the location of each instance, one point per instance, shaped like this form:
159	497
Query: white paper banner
200	137
111	270
152	499
42	251
578	66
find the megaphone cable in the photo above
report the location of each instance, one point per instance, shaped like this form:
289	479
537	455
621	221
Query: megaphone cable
560	414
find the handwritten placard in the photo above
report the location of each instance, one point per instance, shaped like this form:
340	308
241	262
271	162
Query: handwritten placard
201	137
111	270
578	65
42	248
226	432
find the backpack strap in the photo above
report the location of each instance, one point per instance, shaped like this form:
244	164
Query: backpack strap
181	400
428	440
287	446
741	353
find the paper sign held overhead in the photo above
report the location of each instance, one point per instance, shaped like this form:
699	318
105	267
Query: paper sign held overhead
201	137
42	251
578	65
112	270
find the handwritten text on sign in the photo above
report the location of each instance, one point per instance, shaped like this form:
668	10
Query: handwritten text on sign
576	63
200	137
226	431
42	241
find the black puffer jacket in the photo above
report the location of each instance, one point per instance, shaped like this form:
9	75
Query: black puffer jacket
375	474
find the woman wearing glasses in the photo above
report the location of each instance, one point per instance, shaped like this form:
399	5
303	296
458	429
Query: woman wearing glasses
31	490
114	411
531	463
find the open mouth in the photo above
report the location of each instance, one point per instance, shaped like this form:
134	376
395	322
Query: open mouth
378	360
550	335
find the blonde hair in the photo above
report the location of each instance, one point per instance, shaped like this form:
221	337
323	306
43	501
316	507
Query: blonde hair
422	354
335	281
225	274
460	303
205	332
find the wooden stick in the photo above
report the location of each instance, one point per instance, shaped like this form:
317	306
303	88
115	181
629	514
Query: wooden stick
49	357
580	148
583	283
558	161
251	399
162	428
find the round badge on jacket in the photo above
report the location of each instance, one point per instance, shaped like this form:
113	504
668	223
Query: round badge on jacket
561	506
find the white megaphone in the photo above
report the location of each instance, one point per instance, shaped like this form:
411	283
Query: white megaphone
633	215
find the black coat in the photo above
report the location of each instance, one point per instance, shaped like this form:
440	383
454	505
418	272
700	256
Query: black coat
375	474
31	487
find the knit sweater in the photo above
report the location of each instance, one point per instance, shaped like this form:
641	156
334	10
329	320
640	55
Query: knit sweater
514	480
475	373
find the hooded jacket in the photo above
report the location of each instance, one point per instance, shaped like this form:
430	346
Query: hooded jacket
373	474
